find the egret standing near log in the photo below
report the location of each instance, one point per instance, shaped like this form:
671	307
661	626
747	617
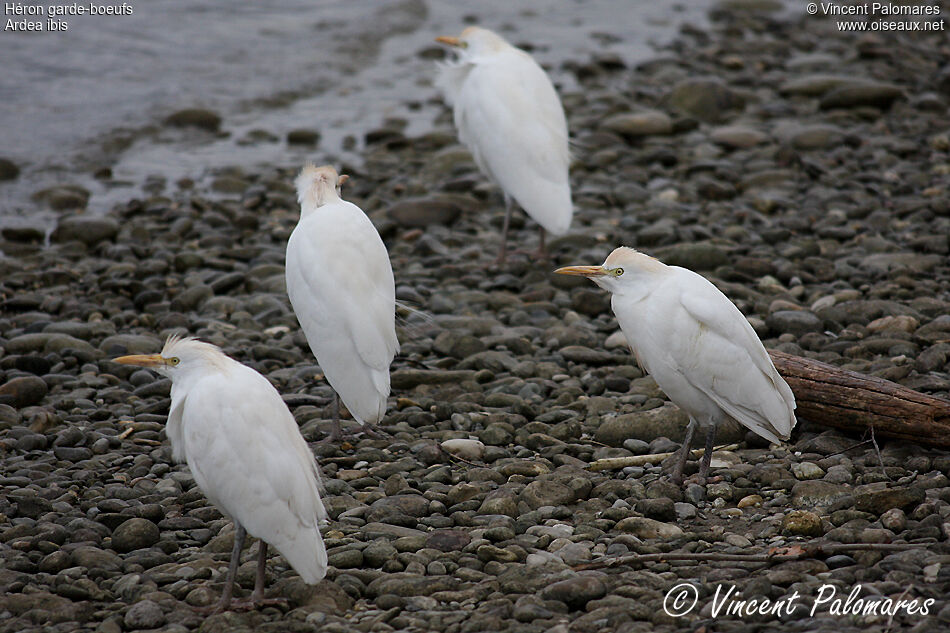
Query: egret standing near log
341	286
247	456
698	347
510	118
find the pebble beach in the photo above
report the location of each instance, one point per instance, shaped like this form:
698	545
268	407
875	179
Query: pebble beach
804	170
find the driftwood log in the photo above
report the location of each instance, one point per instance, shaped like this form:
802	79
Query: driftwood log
835	397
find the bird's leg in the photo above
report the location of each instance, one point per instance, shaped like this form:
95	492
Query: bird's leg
542	252
258	595
503	251
336	433
225	602
707	456
684	453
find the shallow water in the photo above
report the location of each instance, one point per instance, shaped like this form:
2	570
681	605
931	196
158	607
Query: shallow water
74	102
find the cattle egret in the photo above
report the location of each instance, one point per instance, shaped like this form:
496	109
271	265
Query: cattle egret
510	118
341	286
246	454
698	347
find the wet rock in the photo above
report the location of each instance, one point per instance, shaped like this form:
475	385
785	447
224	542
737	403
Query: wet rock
819	494
390	509
195	117
707	99
29	504
144	614
23	391
500	502
546	493
795	322
406	584
648	528
87	229
422	212
812	137
696	256
880	501
813	85
575	592
802	523
303	136
8	169
448	540
645	123
123	344
135	534
857	94
807	470
409	378
737	136
63	197
472	450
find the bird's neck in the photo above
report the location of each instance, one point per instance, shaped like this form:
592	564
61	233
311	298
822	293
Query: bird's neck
310	207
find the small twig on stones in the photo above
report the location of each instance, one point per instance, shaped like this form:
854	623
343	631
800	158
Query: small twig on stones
615	463
880	458
777	555
453	456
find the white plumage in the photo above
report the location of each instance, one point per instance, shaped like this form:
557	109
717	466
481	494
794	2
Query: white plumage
340	283
697	345
510	118
245	452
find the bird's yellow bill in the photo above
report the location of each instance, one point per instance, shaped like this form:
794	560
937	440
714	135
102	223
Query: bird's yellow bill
451	41
142	360
342	179
582	271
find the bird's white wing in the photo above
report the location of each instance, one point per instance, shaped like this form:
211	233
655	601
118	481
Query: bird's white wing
510	117
341	284
248	457
719	353
173	426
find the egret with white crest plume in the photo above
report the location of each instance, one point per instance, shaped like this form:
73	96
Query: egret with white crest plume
510	118
340	283
697	345
246	454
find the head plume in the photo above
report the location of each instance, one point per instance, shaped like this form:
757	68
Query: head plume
317	186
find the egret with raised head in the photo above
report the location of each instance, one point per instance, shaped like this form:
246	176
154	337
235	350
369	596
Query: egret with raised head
340	283
509	116
697	345
247	456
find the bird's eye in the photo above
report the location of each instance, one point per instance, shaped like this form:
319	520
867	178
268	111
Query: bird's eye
174	361
618	271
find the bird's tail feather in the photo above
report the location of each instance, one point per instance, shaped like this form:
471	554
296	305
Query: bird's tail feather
307	554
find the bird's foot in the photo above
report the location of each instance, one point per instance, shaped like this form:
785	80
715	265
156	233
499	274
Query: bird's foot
335	436
541	255
701	480
374	432
241	604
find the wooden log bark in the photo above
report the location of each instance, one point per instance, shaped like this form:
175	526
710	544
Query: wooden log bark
835	397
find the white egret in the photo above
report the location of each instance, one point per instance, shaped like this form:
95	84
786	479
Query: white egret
698	347
510	118
341	286
246	454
